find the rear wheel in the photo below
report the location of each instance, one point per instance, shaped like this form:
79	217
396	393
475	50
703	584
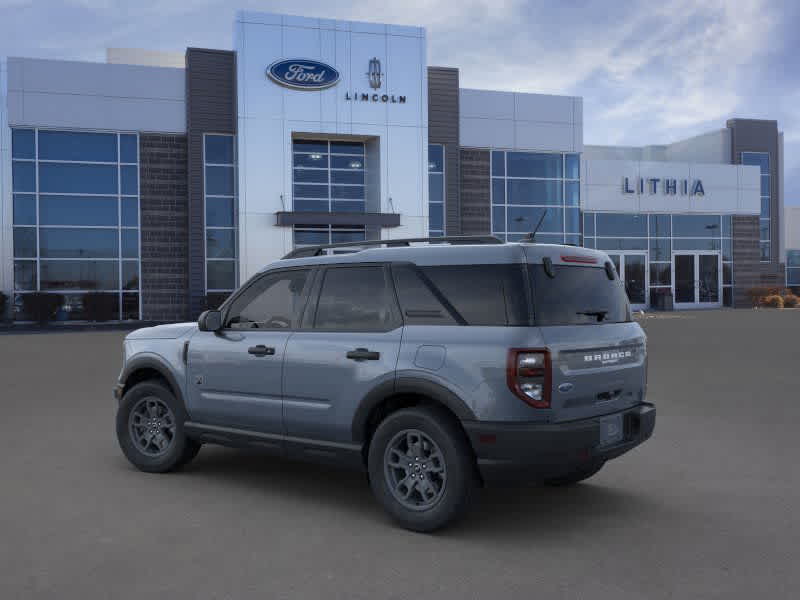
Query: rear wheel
421	468
150	429
576	476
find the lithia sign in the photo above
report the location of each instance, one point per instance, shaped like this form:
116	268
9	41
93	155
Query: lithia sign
667	186
306	74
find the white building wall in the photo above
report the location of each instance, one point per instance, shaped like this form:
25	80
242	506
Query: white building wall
269	115
146	58
511	120
713	147
791	228
81	95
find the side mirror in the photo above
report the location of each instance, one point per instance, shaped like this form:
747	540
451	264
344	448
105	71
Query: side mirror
210	320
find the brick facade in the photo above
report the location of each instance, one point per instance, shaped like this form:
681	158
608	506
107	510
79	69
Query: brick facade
476	215
165	227
748	271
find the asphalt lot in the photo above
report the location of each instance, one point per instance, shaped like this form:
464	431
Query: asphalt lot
707	509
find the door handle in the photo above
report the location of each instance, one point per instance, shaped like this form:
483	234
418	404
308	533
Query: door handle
261	350
363	354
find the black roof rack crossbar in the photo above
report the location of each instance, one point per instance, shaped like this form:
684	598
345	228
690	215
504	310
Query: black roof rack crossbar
451	239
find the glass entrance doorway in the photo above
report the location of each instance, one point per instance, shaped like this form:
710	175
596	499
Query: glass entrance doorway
696	279
632	269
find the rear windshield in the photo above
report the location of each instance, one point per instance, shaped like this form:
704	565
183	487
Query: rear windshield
577	296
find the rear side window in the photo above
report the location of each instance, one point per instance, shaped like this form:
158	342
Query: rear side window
490	295
355	299
577	295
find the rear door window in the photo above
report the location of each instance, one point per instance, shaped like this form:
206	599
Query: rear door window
356	299
577	295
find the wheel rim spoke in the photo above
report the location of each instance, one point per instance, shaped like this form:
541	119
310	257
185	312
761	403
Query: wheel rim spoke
415	469
152	426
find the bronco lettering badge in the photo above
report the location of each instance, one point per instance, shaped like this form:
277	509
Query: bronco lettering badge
608	357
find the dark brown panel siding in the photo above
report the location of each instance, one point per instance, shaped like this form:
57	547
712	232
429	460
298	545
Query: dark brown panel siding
443	129
164	227
476	217
210	108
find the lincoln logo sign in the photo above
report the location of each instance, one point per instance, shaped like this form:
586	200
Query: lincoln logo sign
302	74
667	186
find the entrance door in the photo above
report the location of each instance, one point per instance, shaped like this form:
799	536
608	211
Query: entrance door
632	269
696	279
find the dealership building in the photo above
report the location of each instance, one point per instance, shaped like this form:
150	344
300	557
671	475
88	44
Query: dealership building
167	180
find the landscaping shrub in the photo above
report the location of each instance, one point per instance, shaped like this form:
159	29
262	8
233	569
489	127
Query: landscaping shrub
758	295
41	306
773	301
98	306
790	301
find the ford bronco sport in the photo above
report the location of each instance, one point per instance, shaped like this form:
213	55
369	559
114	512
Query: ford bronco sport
436	368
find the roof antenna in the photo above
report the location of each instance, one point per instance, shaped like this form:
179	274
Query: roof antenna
531	237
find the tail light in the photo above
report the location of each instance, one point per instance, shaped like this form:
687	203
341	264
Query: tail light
529	376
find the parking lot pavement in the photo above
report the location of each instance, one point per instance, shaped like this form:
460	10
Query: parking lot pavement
706	509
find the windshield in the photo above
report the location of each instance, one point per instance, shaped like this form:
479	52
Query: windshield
577	295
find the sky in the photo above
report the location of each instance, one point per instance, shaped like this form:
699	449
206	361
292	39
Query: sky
649	72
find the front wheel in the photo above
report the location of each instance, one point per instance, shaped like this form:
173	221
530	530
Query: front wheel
421	468
150	429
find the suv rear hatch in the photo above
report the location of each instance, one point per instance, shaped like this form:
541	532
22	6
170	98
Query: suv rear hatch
597	353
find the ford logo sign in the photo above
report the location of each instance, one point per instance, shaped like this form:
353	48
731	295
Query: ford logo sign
303	74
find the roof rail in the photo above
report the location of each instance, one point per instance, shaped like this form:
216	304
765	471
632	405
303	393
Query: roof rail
309	251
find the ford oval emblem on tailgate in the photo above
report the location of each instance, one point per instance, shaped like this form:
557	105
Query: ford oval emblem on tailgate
565	387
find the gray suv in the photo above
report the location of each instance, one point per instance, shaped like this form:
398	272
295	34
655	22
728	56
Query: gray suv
436	368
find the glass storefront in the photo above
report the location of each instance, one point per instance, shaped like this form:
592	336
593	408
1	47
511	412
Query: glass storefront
435	190
761	160
219	159
76	220
529	187
793	268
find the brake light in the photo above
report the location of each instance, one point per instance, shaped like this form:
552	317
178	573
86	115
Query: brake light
586	260
529	375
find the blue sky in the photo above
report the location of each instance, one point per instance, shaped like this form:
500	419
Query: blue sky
649	72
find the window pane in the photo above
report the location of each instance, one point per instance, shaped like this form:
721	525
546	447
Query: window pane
221	274
219	149
311	175
727	297
351	192
220	243
622	225
727	249
77	179
310	191
660	226
524	219
318	161
354	298
498	163
765	251
25	275
763	229
436	217
130	274
727	273
521	191
344	162
79	275
621	243
353	206
272	302
312	237
24	209
765	185
347	148
793	277
588	224
23	144
529	164
219	212
572	190
130	243
660	249
765	208
572	220
77	210
573	239
347	236
727	226
759	159
128	149
74	145
436	187
310	146
130	307
793	258
23	176
25	242
129	180
352	177
573	166
130	212
435	158
219	181
695	244
589	242
78	243
498	191
498	218
661	274
311	205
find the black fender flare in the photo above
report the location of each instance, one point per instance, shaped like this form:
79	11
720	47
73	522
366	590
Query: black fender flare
152	362
407	385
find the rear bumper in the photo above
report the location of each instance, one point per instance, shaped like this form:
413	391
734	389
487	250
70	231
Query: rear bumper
536	451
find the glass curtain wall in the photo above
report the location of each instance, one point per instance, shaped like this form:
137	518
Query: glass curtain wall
76	219
219	158
793	268
761	160
436	190
660	235
328	176
531	186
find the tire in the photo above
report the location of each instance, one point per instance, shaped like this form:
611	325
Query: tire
431	442
150	409
575	476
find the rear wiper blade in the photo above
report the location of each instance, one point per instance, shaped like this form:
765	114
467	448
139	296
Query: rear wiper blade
600	314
